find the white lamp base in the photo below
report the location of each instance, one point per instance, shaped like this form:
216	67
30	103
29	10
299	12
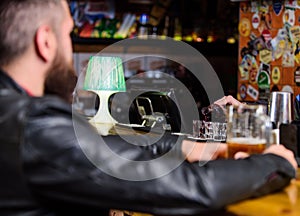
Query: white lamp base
103	121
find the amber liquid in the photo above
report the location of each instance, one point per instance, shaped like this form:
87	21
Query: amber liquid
248	145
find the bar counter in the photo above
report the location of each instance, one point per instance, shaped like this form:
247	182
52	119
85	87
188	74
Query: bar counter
286	202
282	203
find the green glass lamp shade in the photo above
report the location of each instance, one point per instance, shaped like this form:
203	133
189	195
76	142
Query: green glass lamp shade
104	76
105	73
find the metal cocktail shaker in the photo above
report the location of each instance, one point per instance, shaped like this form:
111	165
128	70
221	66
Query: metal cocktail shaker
281	108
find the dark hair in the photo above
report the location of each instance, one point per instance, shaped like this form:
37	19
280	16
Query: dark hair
20	20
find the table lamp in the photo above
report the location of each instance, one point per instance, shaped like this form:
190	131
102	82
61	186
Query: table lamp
104	76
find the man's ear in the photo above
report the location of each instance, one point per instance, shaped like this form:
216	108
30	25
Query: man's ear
45	43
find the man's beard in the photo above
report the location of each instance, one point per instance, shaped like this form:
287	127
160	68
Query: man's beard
61	79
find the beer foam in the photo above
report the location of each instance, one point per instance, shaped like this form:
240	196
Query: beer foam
246	140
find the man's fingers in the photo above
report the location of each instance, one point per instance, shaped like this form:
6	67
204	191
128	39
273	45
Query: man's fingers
240	155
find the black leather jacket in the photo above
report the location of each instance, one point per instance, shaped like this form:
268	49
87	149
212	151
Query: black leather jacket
44	169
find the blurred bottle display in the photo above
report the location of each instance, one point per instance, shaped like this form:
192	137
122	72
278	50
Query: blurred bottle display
128	19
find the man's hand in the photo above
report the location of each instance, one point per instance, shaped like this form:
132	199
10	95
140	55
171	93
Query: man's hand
279	150
227	100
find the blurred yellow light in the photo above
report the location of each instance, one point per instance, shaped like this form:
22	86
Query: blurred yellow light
188	38
178	38
210	39
231	40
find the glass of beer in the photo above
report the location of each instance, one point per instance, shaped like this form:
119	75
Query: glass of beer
248	129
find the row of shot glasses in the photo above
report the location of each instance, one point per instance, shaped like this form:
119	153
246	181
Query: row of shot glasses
207	130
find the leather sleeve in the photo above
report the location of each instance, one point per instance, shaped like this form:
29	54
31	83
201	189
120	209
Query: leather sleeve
68	165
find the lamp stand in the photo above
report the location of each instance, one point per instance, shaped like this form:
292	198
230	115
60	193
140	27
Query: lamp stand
103	121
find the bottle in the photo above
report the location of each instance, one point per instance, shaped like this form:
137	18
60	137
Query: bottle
166	28
178	29
154	32
143	26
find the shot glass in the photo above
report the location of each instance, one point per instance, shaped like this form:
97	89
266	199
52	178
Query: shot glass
209	132
219	131
198	129
224	131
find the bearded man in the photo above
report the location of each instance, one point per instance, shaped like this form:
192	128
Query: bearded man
52	162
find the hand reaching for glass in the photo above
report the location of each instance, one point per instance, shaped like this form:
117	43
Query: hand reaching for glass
227	100
217	110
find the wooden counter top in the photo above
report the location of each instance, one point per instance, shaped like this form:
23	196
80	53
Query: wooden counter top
286	202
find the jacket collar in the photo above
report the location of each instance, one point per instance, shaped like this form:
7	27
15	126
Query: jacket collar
6	82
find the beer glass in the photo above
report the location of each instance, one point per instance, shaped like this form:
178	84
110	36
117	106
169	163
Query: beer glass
248	129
